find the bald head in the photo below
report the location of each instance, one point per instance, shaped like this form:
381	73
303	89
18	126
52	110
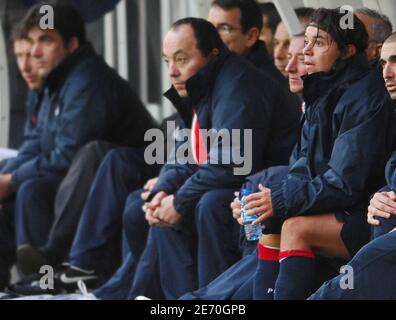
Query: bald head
391	38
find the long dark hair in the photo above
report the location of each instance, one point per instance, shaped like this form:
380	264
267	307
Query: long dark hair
329	20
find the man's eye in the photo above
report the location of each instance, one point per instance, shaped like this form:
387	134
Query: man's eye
181	60
46	40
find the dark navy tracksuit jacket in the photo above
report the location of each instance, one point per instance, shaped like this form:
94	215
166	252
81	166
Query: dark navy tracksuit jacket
83	100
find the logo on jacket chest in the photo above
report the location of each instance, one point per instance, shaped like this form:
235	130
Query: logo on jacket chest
57	111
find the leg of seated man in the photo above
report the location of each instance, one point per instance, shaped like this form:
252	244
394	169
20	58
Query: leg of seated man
218	234
386	225
33	218
234	283
369	275
119	285
135	228
267	267
325	234
122	170
135	225
177	263
71	197
147	278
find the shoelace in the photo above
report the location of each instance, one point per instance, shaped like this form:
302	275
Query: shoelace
83	288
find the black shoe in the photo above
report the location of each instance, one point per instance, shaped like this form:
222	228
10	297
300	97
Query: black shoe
69	278
30	260
31	285
34	288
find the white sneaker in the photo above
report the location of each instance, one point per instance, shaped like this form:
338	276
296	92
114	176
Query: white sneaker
142	298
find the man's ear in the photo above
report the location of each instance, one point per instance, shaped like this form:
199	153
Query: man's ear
379	49
73	44
214	53
252	36
350	51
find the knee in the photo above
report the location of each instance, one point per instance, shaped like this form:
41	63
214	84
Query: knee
386	226
116	160
295	228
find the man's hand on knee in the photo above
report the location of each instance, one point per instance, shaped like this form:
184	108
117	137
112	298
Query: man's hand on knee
148	187
382	205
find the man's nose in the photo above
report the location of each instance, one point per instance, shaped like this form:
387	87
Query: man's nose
173	70
291	66
307	51
26	66
36	51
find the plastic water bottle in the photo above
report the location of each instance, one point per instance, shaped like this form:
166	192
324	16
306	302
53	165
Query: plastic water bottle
252	232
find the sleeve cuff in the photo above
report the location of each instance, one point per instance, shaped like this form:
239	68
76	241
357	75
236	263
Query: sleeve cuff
386	189
278	203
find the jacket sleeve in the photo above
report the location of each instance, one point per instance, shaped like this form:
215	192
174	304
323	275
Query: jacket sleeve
82	119
249	108
390	173
29	150
175	172
356	157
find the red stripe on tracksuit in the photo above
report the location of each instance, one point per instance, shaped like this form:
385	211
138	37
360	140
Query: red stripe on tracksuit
201	154
267	254
296	253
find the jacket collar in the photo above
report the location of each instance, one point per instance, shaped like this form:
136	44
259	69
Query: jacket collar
317	84
202	82
183	105
259	55
59	74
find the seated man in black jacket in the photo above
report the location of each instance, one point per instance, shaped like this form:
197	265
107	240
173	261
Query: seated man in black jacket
371	271
83	100
320	204
222	91
239	23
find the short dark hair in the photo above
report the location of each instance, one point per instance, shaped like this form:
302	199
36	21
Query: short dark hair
269	10
205	33
18	33
304	15
382	28
251	16
67	20
329	20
